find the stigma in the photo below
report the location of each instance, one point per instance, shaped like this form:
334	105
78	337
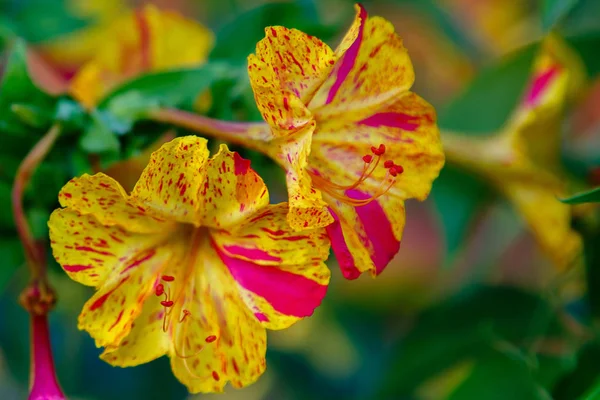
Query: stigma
372	162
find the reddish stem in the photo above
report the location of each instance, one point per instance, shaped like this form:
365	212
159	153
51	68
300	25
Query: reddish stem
44	385
247	134
38	297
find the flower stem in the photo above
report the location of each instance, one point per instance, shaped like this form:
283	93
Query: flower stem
38	298
253	135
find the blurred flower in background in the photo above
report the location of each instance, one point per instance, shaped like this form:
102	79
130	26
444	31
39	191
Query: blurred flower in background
494	293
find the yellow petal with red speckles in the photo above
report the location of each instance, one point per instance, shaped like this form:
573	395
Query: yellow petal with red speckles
219	340
109	314
145	342
90	251
366	237
409	132
307	208
372	71
280	272
103	197
231	190
143	41
287	69
171	183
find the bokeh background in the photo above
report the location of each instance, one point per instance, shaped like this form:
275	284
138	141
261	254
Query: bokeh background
469	309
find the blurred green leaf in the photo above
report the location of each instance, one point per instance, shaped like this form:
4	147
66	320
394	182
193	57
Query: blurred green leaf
458	196
11	254
472	326
99	138
491	97
237	39
583	378
135	99
554	10
18	88
587	45
591	196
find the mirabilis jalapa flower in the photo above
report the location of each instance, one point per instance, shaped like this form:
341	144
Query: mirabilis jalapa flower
523	159
140	41
194	263
354	141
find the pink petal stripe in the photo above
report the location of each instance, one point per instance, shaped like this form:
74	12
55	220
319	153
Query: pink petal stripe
392	119
540	82
348	59
378	229
340	248
288	293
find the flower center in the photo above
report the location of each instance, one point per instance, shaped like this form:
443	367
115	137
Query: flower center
371	163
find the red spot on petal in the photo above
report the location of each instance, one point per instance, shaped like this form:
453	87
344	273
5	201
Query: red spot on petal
241	165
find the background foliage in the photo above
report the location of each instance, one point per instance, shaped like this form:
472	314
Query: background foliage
469	309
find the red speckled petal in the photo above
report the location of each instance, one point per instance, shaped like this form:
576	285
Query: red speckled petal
109	314
408	130
171	183
366	238
220	340
103	197
231	191
287	69
280	272
372	71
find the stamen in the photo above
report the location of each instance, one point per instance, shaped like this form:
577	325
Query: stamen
167	303
371	163
159	290
168	278
210	339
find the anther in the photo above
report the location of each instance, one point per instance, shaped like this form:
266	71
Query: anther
368	158
159	290
168	278
210	339
388	164
378	151
167	303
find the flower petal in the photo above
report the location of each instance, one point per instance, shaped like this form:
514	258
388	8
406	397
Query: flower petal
220	340
90	252
147	40
408	130
145	342
280	272
103	197
549	220
231	191
307	208
372	71
109	314
287	69
365	238
171	183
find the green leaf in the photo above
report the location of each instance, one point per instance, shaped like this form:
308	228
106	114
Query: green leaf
11	254
135	99
590	196
99	138
17	87
491	97
458	196
554	10
237	39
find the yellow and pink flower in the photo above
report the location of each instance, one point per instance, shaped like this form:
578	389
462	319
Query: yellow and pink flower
194	263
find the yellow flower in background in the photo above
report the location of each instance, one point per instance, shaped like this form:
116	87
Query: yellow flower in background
523	159
194	264
353	139
146	40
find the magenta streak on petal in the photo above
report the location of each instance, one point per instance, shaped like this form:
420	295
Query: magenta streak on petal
378	229
251	254
241	165
538	85
392	119
288	293
136	263
348	59
261	317
340	248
